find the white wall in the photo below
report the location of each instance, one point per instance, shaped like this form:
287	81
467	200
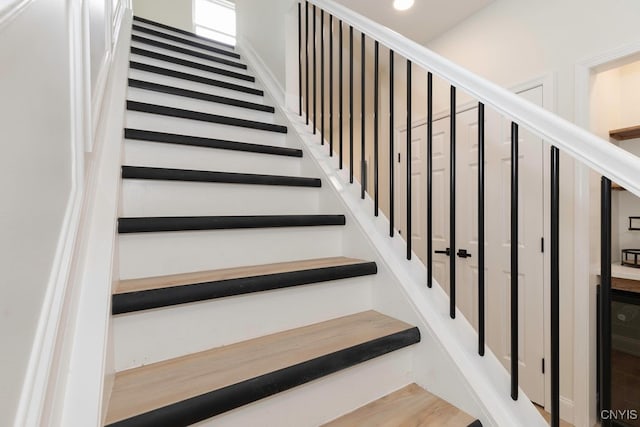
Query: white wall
177	13
512	41
262	25
34	177
52	54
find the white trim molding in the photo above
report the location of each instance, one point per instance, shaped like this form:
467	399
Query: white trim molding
10	10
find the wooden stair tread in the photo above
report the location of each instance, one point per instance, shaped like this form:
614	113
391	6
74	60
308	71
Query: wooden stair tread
141	390
411	406
148	283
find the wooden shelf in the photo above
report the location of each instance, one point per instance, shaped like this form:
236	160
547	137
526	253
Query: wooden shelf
625	133
617	187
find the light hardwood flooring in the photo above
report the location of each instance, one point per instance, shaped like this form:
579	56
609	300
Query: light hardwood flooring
411	406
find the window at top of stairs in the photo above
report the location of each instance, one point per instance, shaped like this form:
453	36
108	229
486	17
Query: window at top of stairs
215	19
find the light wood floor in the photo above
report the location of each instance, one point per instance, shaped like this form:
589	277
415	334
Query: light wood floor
547	416
140	390
159	282
411	406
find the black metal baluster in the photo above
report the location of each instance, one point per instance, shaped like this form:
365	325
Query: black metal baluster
392	153
375	129
514	261
351	105
306	57
299	59
555	287
340	100
605	298
315	93
408	160
330	85
321	77
363	165
481	263
452	205
429	180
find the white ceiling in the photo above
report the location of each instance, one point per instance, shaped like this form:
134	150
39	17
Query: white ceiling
424	21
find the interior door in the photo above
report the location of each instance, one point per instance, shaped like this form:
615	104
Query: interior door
497	238
418	188
497	220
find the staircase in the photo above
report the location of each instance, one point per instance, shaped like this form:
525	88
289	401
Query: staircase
234	285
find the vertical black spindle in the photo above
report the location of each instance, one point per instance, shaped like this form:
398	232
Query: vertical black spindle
351	105
514	261
321	77
481	263
605	298
452	205
315	92
363	164
392	153
330	85
375	128
340	97
299	59
429	179
555	287
408	160
306	58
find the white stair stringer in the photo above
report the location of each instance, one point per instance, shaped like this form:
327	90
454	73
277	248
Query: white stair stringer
195	86
327	398
195	71
164	155
160	334
157	254
182	35
173	198
203	106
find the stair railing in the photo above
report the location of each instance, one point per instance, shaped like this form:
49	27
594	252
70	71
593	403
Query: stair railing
610	161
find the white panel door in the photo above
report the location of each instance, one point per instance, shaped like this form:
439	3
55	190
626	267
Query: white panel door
497	229
497	239
418	189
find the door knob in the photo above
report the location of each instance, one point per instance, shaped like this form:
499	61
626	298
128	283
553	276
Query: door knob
462	253
447	252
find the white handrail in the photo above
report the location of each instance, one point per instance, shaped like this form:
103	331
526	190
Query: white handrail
597	153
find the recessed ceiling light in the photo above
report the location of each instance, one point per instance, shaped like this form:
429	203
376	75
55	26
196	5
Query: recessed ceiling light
402	4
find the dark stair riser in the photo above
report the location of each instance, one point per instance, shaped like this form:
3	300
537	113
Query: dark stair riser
208	405
203	117
165	174
184	51
171	90
181	31
165	297
194	78
182	40
190	64
195	141
201	223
